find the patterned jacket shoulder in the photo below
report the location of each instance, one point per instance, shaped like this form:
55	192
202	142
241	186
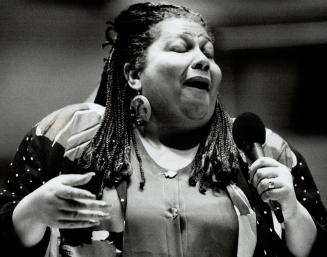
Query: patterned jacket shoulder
72	127
277	148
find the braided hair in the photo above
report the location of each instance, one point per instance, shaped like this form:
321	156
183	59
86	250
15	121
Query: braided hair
110	150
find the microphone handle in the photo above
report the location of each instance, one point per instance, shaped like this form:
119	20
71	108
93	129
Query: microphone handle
275	206
253	154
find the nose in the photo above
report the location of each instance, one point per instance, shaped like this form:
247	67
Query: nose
201	63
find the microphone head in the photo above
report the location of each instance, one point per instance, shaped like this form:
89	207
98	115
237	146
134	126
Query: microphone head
247	129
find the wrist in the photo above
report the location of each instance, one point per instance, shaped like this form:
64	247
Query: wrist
26	224
293	214
299	216
300	232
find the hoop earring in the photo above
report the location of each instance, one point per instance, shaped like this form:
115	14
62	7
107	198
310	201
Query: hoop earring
140	109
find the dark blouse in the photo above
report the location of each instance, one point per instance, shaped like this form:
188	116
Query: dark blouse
60	139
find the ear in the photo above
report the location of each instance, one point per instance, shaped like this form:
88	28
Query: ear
132	77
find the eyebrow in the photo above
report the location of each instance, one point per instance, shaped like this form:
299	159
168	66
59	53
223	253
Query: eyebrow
193	34
198	35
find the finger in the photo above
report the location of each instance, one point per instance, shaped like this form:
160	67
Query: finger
76	179
264	173
88	204
71	224
267	184
261	163
263	185
83	215
272	195
68	192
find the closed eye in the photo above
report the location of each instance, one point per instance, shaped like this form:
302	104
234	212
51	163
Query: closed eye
181	44
208	50
179	48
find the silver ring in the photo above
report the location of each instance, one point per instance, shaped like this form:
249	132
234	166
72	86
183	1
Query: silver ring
271	184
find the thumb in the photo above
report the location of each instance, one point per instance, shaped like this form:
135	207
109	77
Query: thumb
76	179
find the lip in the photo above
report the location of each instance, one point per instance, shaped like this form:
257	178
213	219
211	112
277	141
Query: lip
199	82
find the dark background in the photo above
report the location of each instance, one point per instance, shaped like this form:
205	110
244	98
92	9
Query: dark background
272	54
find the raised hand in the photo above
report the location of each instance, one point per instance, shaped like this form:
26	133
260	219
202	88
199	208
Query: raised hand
58	204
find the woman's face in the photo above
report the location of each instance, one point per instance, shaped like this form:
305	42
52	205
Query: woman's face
181	78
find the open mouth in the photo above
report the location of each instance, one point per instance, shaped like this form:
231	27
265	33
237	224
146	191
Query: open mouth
198	82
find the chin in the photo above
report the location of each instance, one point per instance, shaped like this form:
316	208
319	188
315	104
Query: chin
197	109
198	114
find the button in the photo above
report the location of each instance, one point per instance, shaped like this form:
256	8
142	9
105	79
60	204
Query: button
174	212
170	174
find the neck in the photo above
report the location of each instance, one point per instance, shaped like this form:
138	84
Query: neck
180	139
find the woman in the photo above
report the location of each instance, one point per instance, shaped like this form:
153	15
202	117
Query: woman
156	173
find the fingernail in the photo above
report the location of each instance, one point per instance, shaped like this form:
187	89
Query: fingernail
91	196
105	204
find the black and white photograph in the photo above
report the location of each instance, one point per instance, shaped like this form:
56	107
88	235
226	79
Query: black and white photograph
163	128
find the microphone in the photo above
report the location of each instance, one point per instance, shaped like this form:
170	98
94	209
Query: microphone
249	134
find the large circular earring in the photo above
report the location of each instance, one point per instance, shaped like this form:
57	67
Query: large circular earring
140	109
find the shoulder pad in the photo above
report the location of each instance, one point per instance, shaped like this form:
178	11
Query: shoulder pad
277	148
72	127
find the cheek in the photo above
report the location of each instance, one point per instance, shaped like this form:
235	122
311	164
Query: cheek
171	67
164	75
216	77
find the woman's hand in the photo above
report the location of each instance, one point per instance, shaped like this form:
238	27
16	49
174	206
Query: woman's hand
274	181
59	204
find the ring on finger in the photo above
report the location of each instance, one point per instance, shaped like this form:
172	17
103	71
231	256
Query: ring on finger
271	184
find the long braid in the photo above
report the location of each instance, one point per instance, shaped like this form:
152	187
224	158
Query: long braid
109	150
217	158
